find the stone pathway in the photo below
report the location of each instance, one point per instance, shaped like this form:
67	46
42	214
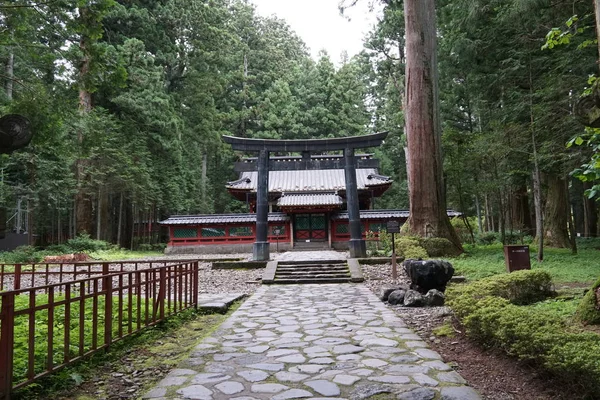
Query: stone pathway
316	342
218	302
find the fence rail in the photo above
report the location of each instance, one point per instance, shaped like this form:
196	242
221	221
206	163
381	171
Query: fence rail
45	328
21	276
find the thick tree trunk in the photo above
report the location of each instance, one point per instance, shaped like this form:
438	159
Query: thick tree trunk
520	212
428	217
556	233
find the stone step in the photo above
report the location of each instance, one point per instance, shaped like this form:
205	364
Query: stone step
313	272
313	268
319	275
311	280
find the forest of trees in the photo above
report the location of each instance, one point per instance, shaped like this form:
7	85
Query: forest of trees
128	100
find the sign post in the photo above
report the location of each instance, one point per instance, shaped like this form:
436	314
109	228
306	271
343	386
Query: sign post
393	227
277	232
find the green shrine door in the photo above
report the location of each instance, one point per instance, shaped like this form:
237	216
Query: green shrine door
310	227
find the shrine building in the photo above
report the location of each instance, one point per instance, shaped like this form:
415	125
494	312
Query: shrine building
307	200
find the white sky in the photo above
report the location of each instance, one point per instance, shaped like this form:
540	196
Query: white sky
320	25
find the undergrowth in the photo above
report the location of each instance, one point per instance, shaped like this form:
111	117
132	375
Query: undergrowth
150	347
482	261
509	312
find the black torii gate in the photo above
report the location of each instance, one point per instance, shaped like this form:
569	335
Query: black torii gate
356	245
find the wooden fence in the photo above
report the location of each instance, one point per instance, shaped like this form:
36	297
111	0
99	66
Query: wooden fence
47	327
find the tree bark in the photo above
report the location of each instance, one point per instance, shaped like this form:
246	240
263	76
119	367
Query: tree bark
10	65
577	203
556	232
521	214
428	216
591	214
83	199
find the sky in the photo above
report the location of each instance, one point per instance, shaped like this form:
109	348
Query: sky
320	25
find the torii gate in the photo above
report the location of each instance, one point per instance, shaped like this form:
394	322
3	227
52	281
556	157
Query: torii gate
357	246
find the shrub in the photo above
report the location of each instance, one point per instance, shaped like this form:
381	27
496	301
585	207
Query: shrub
409	247
83	243
520	287
458	223
588	311
23	255
486	238
489	311
439	247
59	249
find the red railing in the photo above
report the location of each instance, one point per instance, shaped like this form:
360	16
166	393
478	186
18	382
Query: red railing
21	276
45	328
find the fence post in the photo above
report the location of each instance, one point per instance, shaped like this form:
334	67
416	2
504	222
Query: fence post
107	288
7	330
162	291
195	280
17	282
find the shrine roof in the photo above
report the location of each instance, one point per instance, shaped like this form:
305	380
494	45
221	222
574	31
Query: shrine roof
219	218
310	180
310	199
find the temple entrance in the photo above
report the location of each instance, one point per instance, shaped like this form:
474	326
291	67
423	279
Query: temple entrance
310	227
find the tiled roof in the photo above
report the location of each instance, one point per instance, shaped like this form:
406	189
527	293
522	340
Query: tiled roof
219	218
385	214
317	199
304	180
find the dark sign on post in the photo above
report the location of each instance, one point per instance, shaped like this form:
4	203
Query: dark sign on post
393	227
516	257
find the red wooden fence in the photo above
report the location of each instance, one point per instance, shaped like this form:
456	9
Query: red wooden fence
84	316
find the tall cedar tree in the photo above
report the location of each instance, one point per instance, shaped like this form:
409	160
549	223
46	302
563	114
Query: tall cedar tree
428	217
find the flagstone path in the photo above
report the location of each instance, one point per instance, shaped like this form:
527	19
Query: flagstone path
315	342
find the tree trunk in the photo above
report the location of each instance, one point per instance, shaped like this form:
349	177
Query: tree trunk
597	13
591	214
537	184
428	216
478	209
10	65
578	204
556	228
521	215
83	200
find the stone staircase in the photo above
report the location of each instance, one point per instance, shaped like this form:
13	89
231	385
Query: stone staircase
322	271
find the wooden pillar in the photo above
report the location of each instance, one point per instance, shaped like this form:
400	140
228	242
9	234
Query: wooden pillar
260	250
357	245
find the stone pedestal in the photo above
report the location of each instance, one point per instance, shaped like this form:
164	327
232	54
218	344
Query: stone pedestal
260	251
358	248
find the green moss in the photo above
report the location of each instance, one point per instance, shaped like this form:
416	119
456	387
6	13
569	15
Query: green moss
587	312
444	330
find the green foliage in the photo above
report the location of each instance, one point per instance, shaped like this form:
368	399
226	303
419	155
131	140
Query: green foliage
83	243
438	247
22	255
483	261
588	311
461	228
535	333
520	287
